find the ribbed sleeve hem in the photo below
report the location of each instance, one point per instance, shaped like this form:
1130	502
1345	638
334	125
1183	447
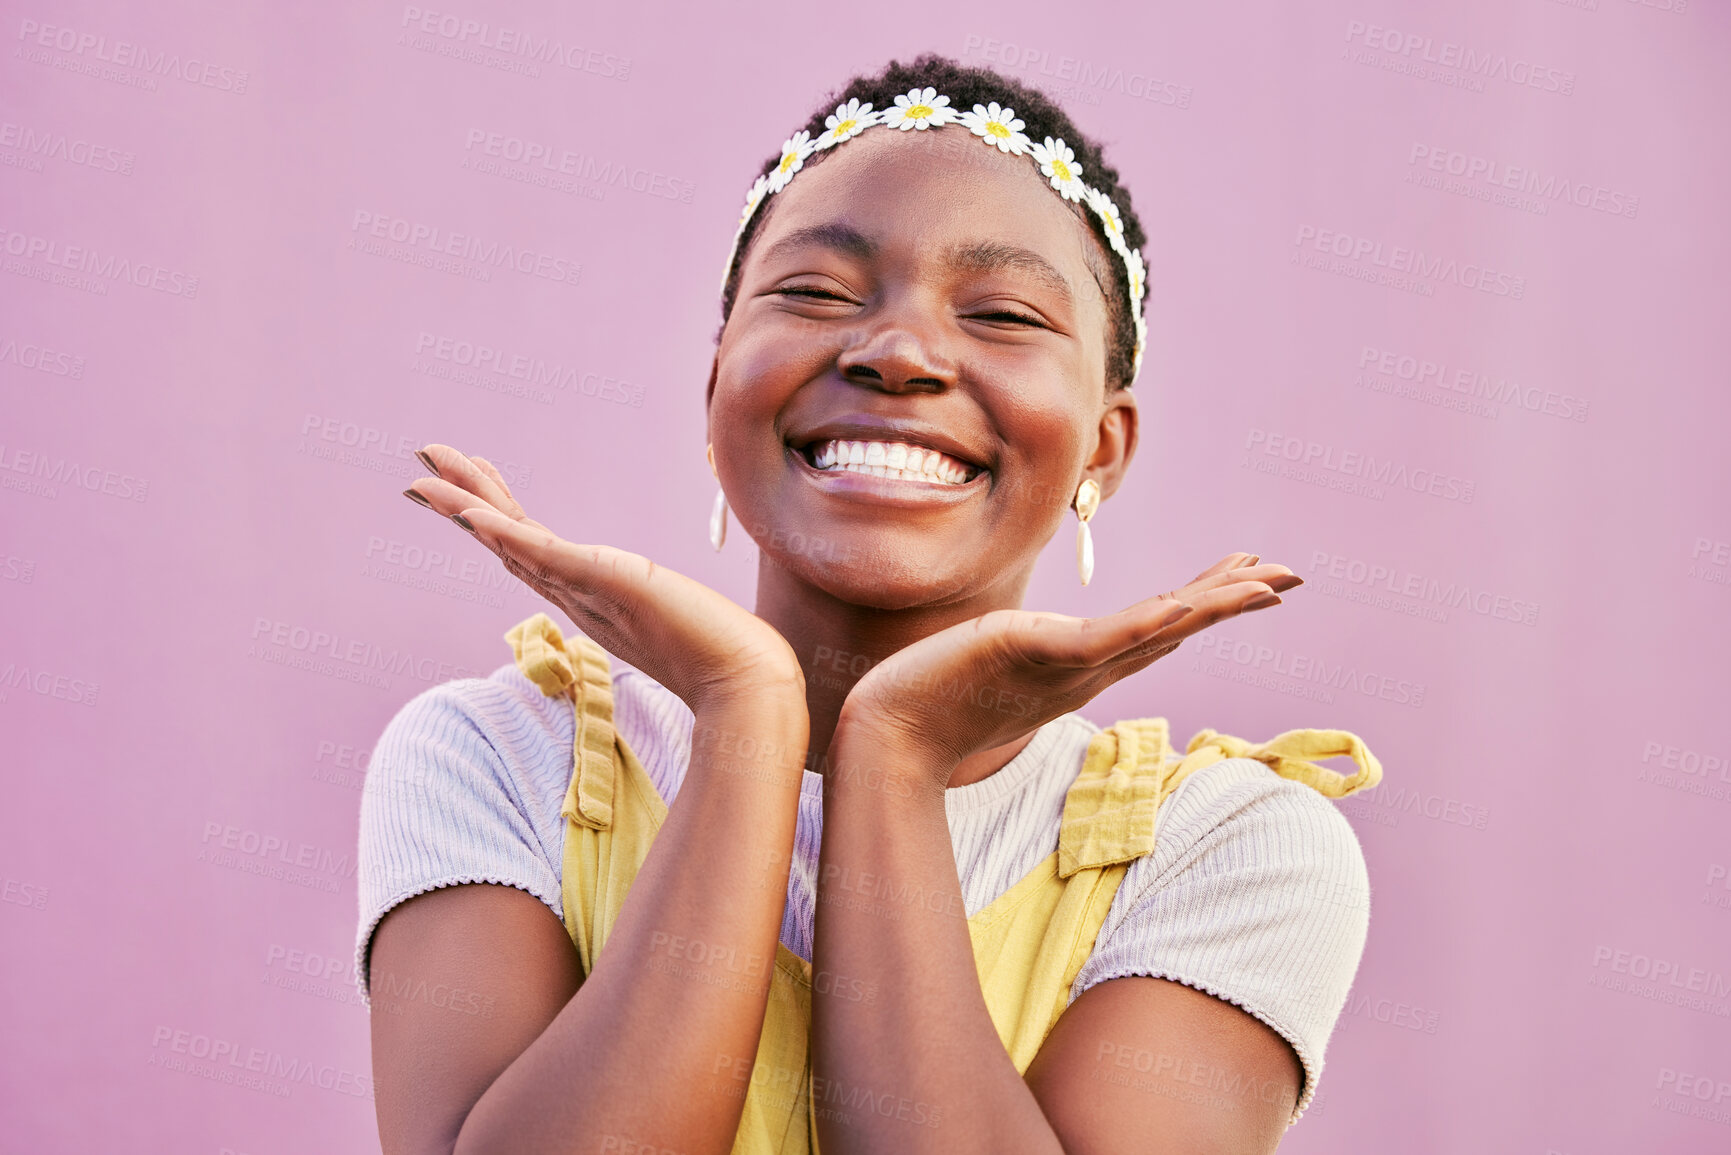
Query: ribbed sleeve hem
364	942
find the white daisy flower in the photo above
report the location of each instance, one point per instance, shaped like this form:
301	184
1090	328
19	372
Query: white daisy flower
1110	217
847	121
759	189
997	126
1138	275
793	154
1057	161
921	108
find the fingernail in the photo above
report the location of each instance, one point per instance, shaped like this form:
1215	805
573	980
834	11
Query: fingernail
1251	560
463	521
1261	602
1177	615
428	462
1283	583
416	497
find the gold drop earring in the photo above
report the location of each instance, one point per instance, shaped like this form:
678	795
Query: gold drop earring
718	512
1087	501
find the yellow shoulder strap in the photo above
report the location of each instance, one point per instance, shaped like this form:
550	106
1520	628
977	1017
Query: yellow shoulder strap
1288	754
1130	770
580	668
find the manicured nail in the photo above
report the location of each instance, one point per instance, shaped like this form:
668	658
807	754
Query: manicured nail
1251	560
1285	582
1261	602
427	461
463	521
1176	615
416	497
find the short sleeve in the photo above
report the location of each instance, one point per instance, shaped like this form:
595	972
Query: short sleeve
464	786
1256	892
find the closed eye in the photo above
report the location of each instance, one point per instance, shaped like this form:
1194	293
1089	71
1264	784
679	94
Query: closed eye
1006	315
814	294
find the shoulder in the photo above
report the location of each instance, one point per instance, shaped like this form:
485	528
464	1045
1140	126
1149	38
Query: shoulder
1240	804
465	785
504	707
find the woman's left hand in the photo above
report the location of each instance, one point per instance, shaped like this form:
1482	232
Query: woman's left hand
985	682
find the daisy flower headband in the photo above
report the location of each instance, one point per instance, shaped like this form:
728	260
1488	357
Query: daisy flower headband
997	127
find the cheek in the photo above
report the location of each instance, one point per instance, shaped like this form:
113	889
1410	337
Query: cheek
775	356
1044	452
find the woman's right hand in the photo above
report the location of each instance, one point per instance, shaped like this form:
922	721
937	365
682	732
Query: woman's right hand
704	647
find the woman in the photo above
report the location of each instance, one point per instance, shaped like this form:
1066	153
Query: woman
924	364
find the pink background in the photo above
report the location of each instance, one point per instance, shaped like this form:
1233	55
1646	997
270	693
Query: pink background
188	472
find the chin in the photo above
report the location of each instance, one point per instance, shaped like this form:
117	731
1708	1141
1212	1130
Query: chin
876	576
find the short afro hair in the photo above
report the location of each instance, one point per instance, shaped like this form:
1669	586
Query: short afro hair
1042	118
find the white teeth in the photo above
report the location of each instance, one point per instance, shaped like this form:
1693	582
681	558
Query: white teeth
894	459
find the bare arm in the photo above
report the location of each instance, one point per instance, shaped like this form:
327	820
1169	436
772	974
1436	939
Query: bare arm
552	1062
622	1058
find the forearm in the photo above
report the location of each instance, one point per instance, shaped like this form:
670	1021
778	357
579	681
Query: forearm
922	1054
646	1049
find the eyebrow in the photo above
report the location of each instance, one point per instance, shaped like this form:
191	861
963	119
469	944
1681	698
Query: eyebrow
991	256
969	257
833	235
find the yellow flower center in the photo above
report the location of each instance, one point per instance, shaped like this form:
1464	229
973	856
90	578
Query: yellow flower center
787	159
844	128
1061	170
997	129
920	112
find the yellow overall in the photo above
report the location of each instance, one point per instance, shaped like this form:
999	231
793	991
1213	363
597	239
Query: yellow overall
1029	944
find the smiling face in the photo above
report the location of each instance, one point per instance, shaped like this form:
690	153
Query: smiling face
943	298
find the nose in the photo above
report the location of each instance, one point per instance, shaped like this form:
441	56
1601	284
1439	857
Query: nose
897	357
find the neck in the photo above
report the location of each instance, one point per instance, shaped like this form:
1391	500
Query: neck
838	643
